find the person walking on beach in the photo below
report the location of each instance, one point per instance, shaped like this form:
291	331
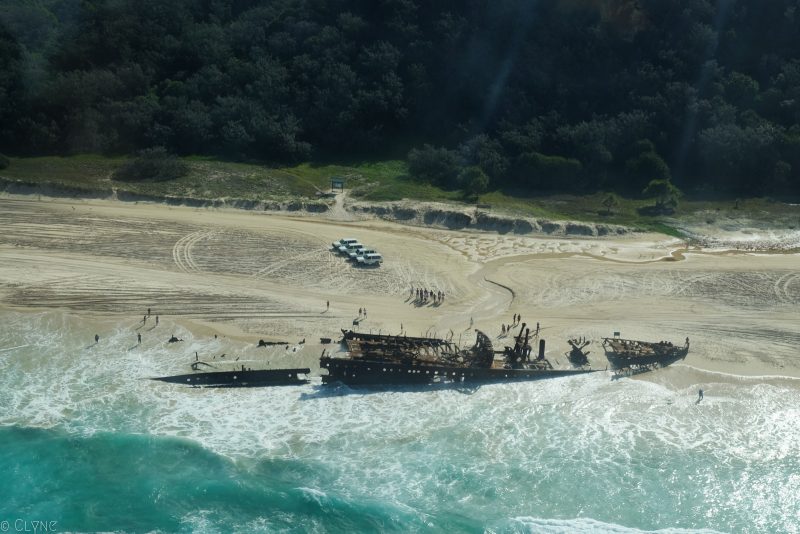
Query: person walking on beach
699	395
96	338
327	305
156	320
138	339
359	312
148	312
144	319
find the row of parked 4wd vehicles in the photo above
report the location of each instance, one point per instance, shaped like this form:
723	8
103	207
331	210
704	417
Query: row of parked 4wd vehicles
357	253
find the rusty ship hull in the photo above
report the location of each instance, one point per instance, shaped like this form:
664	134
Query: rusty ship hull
367	373
242	379
373	359
626	353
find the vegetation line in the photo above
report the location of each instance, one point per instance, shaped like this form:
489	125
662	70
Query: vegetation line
528	97
211	182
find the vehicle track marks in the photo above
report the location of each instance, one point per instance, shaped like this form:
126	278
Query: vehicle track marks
182	251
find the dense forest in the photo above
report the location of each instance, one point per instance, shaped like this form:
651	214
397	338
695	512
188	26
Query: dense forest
547	95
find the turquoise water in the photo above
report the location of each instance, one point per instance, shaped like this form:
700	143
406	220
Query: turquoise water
85	443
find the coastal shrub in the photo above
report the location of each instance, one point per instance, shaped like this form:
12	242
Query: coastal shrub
610	201
152	164
645	167
541	172
4	161
486	153
438	166
474	181
666	195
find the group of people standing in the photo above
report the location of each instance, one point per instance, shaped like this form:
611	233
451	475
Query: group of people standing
144	319
426	295
504	328
138	334
144	322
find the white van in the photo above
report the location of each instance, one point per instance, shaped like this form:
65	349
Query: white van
370	259
337	245
363	251
350	247
342	241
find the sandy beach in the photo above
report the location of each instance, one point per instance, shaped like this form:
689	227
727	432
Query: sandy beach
246	275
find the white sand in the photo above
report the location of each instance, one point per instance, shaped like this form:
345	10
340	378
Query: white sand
249	275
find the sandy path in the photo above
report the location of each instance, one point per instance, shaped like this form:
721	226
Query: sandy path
250	275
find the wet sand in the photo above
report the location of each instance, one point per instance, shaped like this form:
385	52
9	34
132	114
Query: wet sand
247	276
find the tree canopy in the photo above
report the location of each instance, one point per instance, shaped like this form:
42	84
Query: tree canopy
543	96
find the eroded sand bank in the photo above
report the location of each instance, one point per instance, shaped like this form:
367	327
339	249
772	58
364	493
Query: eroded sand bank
248	276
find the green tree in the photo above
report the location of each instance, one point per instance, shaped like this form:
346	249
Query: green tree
11	88
665	194
644	168
284	79
610	201
438	166
547	173
486	153
474	181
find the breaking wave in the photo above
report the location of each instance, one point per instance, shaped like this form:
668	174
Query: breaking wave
583	453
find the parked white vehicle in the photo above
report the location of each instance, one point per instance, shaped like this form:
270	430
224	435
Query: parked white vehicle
363	251
343	241
350	247
370	259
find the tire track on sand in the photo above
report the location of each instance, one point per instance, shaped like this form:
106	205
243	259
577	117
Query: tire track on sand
182	251
786	294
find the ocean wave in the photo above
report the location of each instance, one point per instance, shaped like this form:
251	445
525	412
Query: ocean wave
580	526
628	452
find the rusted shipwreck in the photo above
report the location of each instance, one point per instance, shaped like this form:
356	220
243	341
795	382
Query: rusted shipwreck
241	378
385	359
633	354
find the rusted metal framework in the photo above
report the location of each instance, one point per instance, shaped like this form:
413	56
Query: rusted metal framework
420	351
627	352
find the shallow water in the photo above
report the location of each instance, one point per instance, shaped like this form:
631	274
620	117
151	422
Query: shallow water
87	443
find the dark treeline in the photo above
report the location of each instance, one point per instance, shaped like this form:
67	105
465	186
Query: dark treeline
518	94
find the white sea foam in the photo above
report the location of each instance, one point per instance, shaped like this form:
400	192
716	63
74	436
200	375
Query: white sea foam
582	443
753	378
582	525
